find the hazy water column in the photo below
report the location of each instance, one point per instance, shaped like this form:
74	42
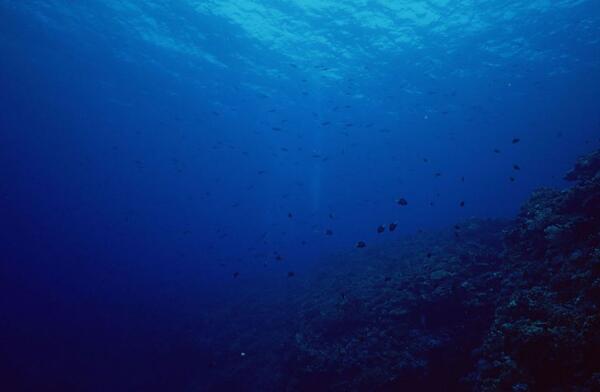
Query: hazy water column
317	143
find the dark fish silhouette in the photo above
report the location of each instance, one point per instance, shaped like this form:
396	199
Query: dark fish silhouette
380	229
328	232
236	274
361	244
516	167
516	140
462	203
290	215
496	151
291	273
402	201
512	179
392	226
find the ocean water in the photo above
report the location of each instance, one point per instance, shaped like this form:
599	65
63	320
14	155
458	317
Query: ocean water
173	173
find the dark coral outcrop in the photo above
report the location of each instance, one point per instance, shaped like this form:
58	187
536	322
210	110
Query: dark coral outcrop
586	167
546	331
485	306
402	316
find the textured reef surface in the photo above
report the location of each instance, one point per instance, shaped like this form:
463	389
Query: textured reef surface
486	305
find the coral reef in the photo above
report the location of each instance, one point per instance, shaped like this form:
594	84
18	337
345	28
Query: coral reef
546	330
485	306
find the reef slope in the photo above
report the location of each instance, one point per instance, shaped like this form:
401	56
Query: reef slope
486	305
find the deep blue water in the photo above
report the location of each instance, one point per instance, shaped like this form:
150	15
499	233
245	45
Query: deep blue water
149	150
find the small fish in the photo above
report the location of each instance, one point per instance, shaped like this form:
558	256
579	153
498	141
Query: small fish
236	274
462	203
361	244
387	279
516	167
438	174
279	258
402	201
291	274
328	232
516	140
496	151
380	229
290	215
512	179
429	255
392	226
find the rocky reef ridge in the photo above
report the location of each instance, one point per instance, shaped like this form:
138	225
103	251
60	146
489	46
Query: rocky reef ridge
486	305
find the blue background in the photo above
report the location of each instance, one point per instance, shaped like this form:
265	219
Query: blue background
149	150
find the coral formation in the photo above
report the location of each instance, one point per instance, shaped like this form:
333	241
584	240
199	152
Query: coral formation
485	306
